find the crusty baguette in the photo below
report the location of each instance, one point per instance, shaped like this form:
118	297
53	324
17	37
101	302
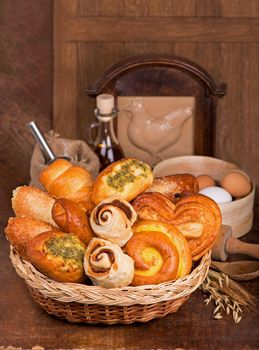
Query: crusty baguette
20	231
125	178
64	180
29	201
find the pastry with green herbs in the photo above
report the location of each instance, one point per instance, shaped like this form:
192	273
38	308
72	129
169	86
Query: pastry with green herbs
125	178
58	255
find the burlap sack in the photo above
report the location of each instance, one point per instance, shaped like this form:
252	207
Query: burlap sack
78	151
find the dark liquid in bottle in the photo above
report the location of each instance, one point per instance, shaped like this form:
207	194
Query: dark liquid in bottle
108	154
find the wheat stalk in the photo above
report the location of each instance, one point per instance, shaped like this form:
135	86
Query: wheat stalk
228	295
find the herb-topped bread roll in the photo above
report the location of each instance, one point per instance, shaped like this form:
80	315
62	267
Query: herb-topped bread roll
125	178
58	255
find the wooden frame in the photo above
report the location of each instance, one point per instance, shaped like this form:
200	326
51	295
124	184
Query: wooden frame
167	75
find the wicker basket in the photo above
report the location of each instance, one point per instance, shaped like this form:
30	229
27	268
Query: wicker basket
91	304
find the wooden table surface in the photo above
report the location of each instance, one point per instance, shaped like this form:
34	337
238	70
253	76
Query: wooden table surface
24	324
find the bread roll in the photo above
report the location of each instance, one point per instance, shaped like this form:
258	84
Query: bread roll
125	178
175	186
72	217
58	255
20	232
29	201
63	180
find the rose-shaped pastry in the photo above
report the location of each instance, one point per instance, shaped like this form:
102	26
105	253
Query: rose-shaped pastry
112	219
106	264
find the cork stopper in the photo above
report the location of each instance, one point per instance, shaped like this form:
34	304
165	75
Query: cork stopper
105	103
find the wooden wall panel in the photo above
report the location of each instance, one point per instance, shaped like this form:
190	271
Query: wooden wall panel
238	117
25	87
222	36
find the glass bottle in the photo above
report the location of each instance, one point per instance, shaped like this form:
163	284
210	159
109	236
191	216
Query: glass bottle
106	144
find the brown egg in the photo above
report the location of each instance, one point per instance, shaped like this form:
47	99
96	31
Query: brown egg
205	181
237	183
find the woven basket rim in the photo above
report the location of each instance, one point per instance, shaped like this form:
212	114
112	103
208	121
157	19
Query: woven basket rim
124	296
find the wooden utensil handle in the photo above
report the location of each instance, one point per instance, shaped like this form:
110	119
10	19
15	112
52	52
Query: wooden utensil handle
235	246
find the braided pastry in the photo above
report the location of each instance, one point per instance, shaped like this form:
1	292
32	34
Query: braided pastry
106	264
112	219
63	180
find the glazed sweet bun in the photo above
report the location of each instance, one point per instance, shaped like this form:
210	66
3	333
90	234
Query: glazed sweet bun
175	186
160	253
125	178
63	180
58	255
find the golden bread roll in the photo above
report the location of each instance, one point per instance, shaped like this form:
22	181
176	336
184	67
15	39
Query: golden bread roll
112	219
106	264
58	255
175	186
72	217
125	178
29	201
197	217
160	252
64	180
20	232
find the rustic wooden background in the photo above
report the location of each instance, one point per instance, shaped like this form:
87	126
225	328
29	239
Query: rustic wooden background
220	35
